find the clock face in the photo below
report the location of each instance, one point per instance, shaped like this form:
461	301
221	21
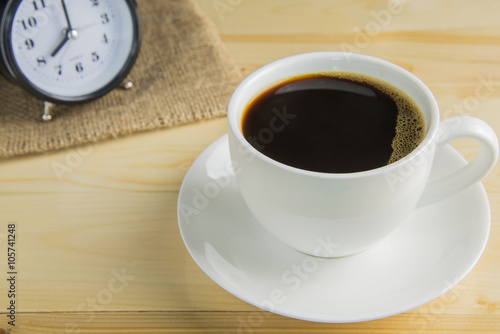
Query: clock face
72	49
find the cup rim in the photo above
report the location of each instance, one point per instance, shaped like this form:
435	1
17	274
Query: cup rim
235	129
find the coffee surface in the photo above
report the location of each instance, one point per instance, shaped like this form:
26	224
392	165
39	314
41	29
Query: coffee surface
334	122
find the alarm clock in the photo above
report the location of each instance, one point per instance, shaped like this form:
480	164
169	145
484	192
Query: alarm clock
68	51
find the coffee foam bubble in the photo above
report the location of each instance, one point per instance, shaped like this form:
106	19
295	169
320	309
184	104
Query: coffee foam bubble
410	122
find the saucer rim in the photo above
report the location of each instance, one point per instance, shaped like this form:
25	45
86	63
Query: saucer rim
479	187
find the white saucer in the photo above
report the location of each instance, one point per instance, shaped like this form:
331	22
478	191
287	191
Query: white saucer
417	263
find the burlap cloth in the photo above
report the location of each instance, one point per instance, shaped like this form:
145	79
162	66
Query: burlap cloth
183	74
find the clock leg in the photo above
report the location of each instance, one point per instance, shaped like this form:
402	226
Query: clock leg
49	106
125	84
47	111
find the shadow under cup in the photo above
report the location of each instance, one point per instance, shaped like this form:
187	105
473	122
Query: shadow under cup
330	214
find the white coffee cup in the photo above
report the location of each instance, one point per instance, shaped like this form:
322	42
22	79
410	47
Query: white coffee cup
349	211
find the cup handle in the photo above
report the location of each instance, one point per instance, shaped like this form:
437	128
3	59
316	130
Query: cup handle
456	128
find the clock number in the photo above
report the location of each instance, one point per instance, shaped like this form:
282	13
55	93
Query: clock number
37	3
95	56
95	3
31	22
79	67
105	18
41	62
105	39
29	44
59	69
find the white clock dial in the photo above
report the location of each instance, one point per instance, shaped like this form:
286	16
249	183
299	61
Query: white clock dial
71	48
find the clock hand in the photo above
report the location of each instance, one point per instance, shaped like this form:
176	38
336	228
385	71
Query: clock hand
66	14
88	25
60	45
69	32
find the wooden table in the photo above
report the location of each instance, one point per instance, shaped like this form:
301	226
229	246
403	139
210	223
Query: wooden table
98	245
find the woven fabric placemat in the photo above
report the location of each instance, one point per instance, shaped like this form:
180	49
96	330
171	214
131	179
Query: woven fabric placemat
183	74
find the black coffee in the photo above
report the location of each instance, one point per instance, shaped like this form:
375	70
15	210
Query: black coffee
336	122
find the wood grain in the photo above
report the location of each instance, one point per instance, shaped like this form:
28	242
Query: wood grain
244	322
91	215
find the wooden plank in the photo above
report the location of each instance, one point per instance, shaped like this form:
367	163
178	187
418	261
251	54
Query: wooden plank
243	322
